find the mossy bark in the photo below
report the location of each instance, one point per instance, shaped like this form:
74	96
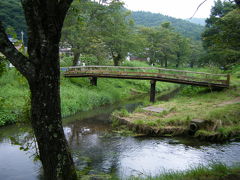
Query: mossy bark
42	70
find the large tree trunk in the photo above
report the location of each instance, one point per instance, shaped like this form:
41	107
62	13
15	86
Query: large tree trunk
41	68
46	119
46	122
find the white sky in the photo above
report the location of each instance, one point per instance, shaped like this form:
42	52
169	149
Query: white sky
176	8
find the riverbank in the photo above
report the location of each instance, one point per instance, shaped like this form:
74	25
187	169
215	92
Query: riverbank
212	172
76	94
214	114
98	149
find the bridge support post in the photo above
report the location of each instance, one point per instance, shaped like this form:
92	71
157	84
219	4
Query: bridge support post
152	91
93	81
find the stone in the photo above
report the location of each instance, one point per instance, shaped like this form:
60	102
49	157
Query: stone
154	109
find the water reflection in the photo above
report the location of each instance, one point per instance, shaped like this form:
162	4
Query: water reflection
96	148
143	156
16	164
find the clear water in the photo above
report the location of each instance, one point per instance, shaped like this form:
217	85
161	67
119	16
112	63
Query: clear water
104	151
96	147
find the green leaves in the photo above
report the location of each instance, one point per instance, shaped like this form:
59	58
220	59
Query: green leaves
164	46
100	30
221	37
2	65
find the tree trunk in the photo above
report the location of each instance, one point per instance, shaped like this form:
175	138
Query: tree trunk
42	70
166	63
177	64
76	56
46	122
191	64
178	60
116	61
161	62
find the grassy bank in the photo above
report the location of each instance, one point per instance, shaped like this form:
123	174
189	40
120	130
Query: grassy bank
212	172
219	110
76	94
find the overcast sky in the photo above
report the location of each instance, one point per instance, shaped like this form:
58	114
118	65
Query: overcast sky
175	8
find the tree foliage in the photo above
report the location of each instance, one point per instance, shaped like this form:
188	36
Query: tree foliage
12	15
41	69
117	31
183	27
164	46
99	29
81	29
2	65
222	34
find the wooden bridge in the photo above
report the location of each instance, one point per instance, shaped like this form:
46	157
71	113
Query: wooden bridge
149	73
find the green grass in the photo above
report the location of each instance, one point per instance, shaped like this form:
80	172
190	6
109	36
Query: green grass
182	109
14	96
215	171
76	94
216	107
121	113
212	172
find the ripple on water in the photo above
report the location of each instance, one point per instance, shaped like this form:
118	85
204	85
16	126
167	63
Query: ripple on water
94	147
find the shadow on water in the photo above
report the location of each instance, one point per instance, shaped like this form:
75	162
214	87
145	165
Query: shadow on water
130	105
98	149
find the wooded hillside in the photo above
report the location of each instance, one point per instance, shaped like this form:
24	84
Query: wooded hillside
11	14
184	27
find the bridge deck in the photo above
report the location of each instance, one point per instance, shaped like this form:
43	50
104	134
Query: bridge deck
151	73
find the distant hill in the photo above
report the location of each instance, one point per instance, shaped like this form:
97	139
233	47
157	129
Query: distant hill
184	27
11	14
200	21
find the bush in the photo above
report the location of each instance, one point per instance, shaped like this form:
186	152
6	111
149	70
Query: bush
191	90
2	65
7	117
66	61
135	64
89	60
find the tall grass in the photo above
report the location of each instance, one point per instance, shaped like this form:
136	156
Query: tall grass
216	171
220	109
14	95
211	172
76	94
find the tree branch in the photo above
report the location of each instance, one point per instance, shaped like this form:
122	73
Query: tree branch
64	6
198	8
20	61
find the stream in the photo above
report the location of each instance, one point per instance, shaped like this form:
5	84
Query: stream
98	149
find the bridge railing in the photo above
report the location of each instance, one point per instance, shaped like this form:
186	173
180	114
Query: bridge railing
151	72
